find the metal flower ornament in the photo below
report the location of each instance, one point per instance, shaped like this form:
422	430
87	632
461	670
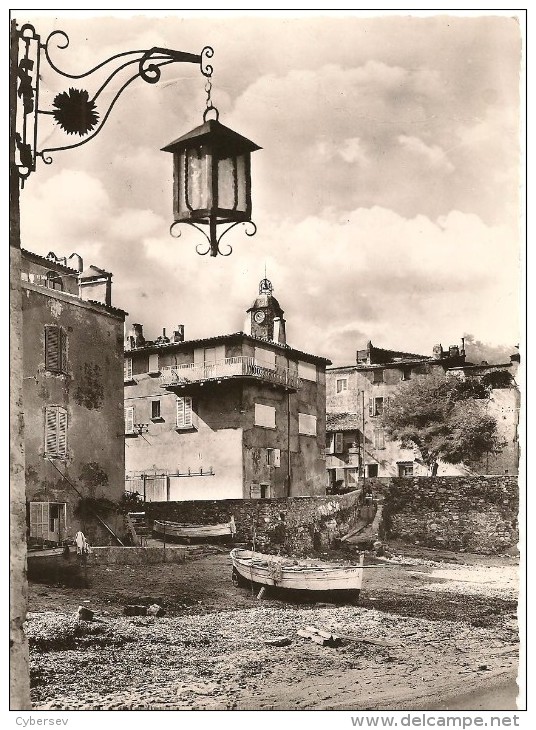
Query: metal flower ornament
212	175
75	112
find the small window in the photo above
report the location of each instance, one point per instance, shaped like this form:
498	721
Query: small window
406	374
264	416
54	281
376	406
155	409
273	457
55	349
307	371
129	420
379	438
306	424
377	376
342	385
405	469
55	432
184	412
128	369
372	470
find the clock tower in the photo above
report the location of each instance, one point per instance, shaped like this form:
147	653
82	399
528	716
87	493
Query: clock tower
265	316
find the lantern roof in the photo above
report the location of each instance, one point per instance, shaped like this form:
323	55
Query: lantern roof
211	130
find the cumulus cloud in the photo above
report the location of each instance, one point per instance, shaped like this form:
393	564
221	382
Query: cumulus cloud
386	192
433	154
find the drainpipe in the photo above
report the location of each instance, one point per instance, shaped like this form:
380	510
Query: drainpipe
288	443
363	424
288	433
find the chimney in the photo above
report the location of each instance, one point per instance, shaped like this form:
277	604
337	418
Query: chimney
280	334
437	352
162	340
178	334
136	333
78	262
95	285
454	351
462	351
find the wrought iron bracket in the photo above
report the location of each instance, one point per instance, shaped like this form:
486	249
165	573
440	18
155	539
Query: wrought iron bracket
75	110
212	238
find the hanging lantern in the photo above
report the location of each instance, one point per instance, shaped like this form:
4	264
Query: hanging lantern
212	180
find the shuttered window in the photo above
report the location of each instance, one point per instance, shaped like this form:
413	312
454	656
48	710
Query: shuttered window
264	416
376	406
55	349
306	424
379	438
265	358
184	412
306	371
129	419
128	369
153	364
339	443
273	457
55	432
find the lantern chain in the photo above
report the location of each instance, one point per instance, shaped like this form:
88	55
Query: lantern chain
209	105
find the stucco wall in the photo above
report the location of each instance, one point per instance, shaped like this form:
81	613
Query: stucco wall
213	443
224	436
91	392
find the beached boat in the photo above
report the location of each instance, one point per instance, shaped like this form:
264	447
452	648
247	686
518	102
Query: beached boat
187	530
272	570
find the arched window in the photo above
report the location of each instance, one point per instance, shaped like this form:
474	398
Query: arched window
54	280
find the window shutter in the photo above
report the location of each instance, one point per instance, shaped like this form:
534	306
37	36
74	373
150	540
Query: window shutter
187	412
62	432
52	348
371	406
63	359
331	445
277	457
184	412
51	437
129	419
338	443
128	369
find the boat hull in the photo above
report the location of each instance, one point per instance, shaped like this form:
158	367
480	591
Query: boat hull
270	570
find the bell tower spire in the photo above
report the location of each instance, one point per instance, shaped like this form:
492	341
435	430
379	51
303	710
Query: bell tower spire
265	318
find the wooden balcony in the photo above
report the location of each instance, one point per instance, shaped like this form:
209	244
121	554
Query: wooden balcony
179	377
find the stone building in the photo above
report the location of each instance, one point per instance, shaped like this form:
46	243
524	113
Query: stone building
231	416
357	394
72	395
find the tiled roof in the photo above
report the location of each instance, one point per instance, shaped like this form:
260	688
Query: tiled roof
342	421
223	338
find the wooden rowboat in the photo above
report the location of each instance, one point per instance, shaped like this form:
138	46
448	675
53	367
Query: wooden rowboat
272	570
185	529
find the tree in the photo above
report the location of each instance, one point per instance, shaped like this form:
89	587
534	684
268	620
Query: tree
444	418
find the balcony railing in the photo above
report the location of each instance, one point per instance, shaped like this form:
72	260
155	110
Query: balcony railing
177	375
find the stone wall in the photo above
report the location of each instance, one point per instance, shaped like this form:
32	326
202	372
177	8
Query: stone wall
474	514
297	525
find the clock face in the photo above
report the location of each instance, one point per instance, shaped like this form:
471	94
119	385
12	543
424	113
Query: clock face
259	317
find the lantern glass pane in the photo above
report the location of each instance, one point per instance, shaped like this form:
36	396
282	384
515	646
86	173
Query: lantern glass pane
227	183
241	176
197	178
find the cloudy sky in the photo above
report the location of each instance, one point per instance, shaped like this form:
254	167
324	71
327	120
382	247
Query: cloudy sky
386	194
